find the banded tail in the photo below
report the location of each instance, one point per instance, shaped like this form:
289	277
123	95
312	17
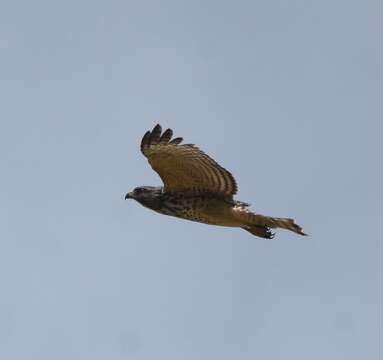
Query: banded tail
261	226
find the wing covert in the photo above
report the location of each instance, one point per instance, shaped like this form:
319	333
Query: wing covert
185	167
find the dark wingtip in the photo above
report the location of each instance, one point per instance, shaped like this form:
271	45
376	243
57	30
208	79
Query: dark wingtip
155	134
154	137
166	136
145	140
157	128
176	141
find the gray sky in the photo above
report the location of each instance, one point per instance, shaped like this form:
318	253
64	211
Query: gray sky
285	94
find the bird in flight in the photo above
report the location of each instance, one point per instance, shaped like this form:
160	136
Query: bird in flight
197	188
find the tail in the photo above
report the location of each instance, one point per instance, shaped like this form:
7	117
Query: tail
261	226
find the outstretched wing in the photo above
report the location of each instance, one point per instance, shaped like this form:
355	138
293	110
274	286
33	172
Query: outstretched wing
185	167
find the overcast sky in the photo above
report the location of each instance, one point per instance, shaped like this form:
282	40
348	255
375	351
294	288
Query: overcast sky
287	95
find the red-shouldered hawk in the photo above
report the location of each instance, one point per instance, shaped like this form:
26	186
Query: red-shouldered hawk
197	188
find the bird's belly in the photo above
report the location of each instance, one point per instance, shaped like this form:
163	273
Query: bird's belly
213	212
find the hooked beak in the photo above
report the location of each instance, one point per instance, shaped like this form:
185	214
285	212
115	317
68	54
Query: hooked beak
129	195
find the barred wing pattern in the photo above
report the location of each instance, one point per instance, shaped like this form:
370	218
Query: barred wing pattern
185	167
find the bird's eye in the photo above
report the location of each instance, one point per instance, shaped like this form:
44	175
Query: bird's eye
138	191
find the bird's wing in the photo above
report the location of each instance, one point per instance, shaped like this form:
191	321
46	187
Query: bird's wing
185	167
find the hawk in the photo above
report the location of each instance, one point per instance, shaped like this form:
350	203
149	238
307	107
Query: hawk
197	188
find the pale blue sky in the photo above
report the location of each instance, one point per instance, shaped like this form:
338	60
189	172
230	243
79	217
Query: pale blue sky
285	94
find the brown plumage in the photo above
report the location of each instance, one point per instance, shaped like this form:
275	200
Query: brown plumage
197	188
185	167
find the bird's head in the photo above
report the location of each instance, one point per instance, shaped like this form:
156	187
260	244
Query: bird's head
146	195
